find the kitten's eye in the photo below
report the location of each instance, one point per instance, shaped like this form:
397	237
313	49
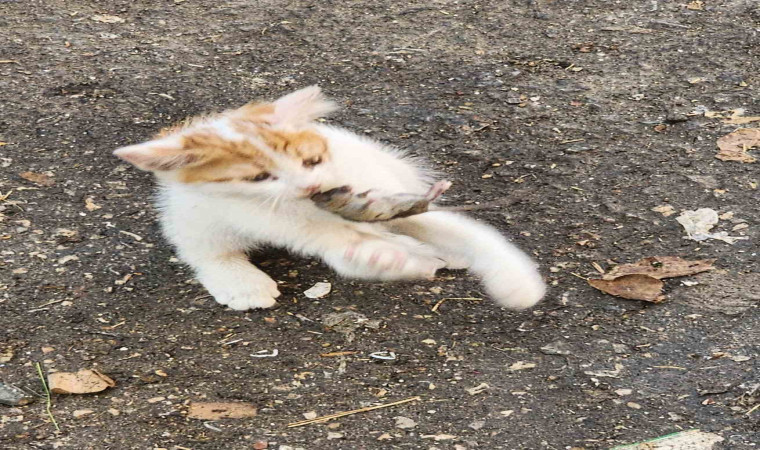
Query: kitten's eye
311	162
260	177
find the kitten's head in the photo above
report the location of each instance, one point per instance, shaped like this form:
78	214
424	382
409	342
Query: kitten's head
261	149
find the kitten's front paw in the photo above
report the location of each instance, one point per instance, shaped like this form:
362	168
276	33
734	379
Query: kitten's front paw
515	289
242	291
378	259
243	301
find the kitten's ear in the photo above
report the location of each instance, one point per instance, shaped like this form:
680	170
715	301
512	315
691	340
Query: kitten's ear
303	105
158	155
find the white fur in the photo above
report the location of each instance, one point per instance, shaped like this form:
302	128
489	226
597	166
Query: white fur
212	225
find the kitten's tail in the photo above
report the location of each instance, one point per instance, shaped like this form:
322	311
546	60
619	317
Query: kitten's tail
508	274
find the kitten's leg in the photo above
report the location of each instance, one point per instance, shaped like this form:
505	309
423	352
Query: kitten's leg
229	277
367	252
508	274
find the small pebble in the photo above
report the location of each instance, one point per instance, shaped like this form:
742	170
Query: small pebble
81	413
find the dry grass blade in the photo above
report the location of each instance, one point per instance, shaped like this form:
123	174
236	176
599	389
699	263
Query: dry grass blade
466	299
348	413
48	402
337	354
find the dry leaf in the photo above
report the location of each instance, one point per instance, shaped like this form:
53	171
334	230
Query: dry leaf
665	210
734	146
660	267
90	204
696	5
6	355
215	410
634	287
83	382
37	178
105	18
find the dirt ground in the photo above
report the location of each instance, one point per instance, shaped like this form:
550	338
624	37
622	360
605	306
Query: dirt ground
587	113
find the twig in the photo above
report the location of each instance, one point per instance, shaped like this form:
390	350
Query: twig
104	333
753	409
334	354
48	402
348	413
440	302
52	302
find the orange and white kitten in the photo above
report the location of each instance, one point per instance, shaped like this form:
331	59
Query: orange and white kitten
242	179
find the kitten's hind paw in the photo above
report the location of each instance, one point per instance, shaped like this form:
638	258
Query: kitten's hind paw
514	290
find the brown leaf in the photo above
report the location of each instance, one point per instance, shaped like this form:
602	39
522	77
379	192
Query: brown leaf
660	267
634	287
216	410
734	146
83	382
37	178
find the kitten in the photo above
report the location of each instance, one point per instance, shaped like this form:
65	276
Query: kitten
241	179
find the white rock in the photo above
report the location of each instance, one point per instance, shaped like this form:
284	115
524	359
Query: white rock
81	413
319	290
521	365
404	423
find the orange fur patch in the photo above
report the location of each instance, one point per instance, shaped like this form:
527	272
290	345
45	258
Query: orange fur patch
303	144
216	159
222	160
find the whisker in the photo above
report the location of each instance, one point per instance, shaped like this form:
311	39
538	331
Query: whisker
267	200
276	202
